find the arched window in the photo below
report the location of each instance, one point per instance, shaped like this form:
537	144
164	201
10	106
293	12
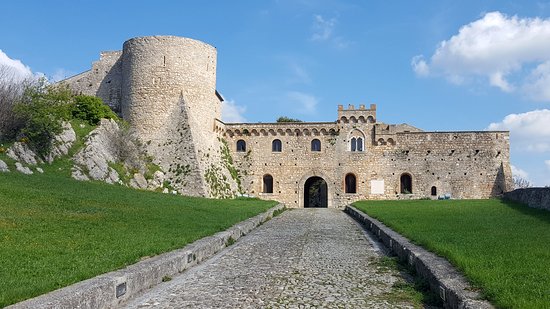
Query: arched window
356	140
268	184
276	145
406	184
351	183
315	145
434	191
241	146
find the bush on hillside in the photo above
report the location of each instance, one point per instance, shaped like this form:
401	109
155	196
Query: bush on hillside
91	109
42	110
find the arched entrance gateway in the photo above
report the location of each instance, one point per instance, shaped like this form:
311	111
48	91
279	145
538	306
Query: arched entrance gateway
315	192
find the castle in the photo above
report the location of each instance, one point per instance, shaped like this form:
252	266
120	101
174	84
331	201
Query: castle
165	87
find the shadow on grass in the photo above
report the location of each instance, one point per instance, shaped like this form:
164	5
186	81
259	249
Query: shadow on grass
541	214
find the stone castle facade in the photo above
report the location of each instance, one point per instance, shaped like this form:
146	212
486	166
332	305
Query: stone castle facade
165	87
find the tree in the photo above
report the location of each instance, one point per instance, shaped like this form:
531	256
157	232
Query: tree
287	119
12	87
521	183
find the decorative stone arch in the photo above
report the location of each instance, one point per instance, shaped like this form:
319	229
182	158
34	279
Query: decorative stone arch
255	132
272	132
301	186
406	183
391	141
362	119
229	133
344	119
370	119
324	131
332	132
307	132
263	132
352	119
280	132
288	132
238	132
297	132
381	142
315	132
356	140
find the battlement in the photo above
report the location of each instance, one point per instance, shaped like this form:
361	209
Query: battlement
354	115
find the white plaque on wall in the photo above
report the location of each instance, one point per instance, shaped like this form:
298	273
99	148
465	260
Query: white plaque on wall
377	186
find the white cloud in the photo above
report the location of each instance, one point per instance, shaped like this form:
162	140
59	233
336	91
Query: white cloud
529	131
13	69
518	172
304	103
322	29
60	74
231	112
496	47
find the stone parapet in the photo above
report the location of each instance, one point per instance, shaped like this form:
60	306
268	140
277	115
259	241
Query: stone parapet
532	197
112	289
443	278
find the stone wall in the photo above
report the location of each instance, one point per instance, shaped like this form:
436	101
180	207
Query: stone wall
165	87
457	164
532	197
103	80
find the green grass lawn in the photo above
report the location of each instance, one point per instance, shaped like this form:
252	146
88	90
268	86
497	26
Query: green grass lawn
503	248
55	231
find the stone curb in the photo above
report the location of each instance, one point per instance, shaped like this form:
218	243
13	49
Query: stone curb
443	278
114	288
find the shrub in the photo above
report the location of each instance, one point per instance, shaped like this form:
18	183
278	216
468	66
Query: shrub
42	109
91	109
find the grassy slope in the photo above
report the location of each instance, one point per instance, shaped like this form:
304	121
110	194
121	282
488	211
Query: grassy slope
55	231
501	247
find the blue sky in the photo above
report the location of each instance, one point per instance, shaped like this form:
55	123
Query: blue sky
437	65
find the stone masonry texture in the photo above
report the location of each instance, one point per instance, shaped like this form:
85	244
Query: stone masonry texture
165	87
306	258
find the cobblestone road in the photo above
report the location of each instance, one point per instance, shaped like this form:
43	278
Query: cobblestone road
304	258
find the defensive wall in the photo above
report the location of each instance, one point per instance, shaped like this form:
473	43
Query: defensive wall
165	87
532	197
394	162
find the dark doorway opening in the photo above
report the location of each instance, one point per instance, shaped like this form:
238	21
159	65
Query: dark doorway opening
268	184
406	184
434	191
315	192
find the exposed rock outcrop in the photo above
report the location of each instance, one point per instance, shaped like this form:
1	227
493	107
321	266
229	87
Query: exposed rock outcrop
22	153
92	162
61	144
108	147
23	169
3	167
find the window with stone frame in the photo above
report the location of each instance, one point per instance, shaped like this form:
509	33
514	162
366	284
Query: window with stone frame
241	146
276	145
315	145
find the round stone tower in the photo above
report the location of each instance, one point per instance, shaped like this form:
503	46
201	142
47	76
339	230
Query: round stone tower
162	75
169	98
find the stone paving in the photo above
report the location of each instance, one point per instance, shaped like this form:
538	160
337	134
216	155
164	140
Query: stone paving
304	258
